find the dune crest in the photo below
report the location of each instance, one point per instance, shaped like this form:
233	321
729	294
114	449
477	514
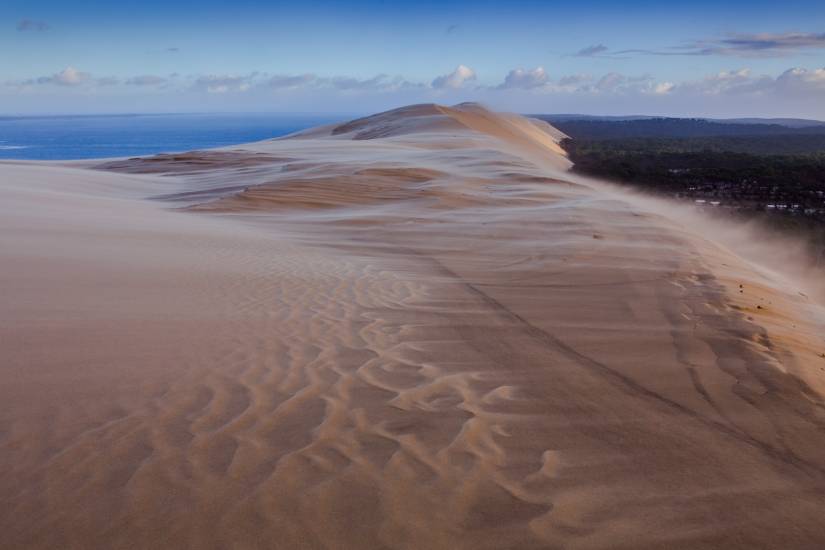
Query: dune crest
412	330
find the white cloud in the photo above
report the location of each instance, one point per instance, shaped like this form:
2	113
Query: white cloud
67	77
722	82
572	82
288	82
664	88
221	84
613	83
610	82
796	90
798	81
146	80
525	79
456	79
794	82
70	77
379	83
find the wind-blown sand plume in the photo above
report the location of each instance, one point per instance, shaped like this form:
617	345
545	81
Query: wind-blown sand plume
412	330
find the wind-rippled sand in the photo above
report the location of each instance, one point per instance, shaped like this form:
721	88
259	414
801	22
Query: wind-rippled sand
414	331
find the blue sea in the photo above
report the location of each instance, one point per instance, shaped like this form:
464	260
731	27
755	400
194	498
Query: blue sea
100	136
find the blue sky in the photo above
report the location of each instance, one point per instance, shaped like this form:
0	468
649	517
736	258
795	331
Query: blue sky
700	58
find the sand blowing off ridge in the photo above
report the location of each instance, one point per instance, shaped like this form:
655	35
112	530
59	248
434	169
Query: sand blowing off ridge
413	331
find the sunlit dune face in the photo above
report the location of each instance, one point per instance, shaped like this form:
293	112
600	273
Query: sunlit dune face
413	330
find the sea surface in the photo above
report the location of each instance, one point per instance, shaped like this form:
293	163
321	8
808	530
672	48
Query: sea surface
101	136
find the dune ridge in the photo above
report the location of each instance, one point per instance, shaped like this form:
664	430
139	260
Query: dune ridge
411	330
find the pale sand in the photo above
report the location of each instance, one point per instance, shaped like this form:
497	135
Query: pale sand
410	331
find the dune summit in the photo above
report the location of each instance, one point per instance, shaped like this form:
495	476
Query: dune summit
412	330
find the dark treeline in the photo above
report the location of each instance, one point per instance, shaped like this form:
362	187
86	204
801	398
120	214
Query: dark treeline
778	179
790	144
672	128
768	177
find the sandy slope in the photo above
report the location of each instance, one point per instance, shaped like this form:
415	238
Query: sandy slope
413	330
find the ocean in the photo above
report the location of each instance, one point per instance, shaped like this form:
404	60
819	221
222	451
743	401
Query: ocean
101	136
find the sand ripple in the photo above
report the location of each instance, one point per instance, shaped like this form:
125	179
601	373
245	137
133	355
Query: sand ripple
408	331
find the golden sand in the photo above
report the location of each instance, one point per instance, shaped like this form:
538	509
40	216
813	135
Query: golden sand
414	331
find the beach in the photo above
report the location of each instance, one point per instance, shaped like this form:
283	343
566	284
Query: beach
412	330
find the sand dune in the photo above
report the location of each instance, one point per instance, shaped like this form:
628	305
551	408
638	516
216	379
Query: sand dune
413	330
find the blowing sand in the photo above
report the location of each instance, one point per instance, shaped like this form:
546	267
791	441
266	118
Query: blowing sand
413	331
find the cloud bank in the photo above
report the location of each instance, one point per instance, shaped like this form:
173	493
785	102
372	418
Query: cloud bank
795	81
67	77
525	79
797	91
